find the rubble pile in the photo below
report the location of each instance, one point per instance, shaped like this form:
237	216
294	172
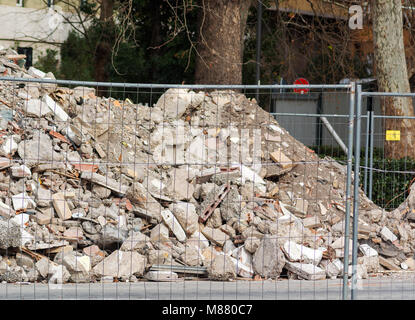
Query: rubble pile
200	184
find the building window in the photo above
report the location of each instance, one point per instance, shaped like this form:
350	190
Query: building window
28	51
19	3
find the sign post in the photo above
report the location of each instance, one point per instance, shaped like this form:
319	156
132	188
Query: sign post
301	81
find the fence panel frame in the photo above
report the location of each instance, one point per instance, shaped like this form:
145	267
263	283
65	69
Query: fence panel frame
350	142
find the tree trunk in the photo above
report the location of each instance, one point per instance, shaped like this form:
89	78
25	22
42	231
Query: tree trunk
104	47
392	75
220	48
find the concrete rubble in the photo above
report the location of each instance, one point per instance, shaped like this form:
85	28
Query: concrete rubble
98	189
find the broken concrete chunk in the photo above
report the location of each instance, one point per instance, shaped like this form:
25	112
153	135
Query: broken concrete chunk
21	171
95	254
138	194
252	244
388	264
10	235
174	102
24	260
299	253
75	263
215	220
37	150
222	268
43	219
179	188
173	224
410	262
121	264
61	206
312	222
56	108
338	246
361	272
242	269
242	255
136	241
367	250
22	201
268	260
228	229
376	215
185	213
74	233
58	274
371	263
158	257
192	256
302	205
36	108
6	211
199	240
160	234
306	271
36	72
44	266
228	247
20	219
9	146
112	235
334	268
43	197
282	160
250	176
387	235
217	236
104	181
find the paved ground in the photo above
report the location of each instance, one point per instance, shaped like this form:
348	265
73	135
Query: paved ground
373	288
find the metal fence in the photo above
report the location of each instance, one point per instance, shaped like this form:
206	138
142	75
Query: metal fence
182	192
387	172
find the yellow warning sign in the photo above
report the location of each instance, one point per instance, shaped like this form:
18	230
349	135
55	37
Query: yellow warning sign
393	135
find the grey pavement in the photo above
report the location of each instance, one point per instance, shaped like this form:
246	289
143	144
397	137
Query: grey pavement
372	288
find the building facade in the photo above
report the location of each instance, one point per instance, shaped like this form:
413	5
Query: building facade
33	26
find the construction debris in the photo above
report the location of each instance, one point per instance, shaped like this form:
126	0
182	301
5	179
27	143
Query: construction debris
94	189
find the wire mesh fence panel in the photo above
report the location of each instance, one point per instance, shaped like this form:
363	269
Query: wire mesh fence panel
127	191
387	170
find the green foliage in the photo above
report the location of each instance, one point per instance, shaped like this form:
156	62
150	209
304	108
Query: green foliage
87	7
390	180
153	54
76	59
49	62
390	188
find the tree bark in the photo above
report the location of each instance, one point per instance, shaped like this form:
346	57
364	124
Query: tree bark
104	47
220	47
392	75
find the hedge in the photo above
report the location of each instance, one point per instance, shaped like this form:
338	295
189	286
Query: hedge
391	177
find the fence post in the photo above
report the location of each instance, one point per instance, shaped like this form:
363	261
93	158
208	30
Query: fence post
372	133
348	189
366	151
356	190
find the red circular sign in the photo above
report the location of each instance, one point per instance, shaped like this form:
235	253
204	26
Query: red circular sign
301	81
